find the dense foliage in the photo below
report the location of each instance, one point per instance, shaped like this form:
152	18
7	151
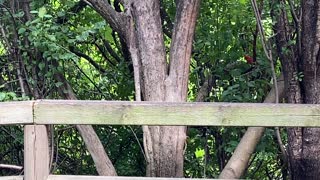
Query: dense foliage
70	38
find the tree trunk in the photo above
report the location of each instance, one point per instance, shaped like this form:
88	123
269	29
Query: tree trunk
100	158
164	145
241	156
140	26
303	143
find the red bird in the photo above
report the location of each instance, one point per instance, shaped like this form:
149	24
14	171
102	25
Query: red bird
249	59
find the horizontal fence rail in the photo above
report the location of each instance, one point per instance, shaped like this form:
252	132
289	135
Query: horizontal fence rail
159	113
71	177
42	112
16	112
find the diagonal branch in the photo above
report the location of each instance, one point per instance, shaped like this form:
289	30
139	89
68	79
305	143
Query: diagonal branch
111	51
117	20
88	58
74	10
103	163
241	156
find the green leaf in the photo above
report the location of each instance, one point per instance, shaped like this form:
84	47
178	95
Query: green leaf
22	30
61	14
34	12
52	37
199	153
41	65
47	16
243	1
2	96
58	84
42	12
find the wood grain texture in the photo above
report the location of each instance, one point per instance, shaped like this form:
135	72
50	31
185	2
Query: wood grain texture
70	177
193	114
36	152
11	178
16	112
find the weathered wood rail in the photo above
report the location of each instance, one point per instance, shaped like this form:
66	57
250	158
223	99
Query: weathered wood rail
42	112
159	113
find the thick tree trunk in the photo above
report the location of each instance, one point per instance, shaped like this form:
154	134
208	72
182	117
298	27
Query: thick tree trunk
303	143
164	145
308	158
140	25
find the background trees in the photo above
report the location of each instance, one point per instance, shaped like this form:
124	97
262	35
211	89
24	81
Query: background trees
106	50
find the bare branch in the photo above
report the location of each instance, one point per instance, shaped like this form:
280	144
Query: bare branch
268	52
294	14
9	166
74	10
111	51
103	163
88	58
205	89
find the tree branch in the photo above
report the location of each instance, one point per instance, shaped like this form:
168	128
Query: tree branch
241	156
103	163
88	58
205	89
103	53
118	21
111	51
9	166
75	9
181	47
268	52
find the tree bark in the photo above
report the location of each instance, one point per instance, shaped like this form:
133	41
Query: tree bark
303	143
164	145
308	158
140	25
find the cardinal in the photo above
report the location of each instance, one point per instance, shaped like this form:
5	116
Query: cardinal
249	59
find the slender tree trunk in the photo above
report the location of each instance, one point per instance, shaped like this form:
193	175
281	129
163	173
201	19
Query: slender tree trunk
241	156
100	158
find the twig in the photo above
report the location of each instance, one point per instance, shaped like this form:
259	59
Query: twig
140	146
135	56
93	83
268	52
294	14
88	58
297	22
9	166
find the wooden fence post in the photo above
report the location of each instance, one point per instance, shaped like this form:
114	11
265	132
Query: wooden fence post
36	152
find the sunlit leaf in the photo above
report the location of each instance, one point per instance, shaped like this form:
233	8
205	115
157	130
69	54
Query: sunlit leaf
42	12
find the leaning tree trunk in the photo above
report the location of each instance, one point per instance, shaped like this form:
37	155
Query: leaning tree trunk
241	156
99	156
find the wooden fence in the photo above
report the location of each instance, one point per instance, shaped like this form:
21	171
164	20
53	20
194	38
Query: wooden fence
139	113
